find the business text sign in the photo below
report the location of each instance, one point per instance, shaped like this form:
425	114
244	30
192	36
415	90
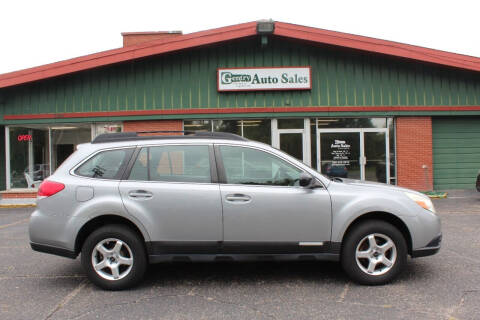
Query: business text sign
251	79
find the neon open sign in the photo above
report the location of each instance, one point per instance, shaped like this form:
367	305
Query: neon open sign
24	137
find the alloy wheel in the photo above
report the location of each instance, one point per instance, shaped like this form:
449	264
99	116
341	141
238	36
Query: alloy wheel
112	259
376	254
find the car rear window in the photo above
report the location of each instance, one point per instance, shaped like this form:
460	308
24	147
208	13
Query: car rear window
108	164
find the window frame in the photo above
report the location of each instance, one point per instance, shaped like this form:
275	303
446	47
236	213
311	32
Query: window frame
121	170
211	157
222	177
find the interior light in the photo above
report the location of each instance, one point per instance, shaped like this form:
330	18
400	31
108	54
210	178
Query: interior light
327	120
63	128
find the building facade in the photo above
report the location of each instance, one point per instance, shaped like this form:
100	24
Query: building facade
349	106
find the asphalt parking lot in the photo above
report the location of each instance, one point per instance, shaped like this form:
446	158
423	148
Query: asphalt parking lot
445	286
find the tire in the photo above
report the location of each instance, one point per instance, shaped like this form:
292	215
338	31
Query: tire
364	260
114	247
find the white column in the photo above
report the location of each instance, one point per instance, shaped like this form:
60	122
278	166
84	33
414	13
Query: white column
7	157
307	152
275	135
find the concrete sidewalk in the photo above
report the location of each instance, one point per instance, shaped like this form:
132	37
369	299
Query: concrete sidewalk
18	203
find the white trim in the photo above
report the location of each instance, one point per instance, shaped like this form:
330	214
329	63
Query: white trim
310	243
275	134
50	148
353	130
387	153
317	136
30	157
290	130
7	157
307	152
363	160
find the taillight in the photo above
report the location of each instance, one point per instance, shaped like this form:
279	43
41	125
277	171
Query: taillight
49	188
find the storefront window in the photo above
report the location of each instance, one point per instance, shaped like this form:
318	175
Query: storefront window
36	151
254	129
391	132
290	123
197	125
325	123
64	141
258	130
29	156
231	126
108	127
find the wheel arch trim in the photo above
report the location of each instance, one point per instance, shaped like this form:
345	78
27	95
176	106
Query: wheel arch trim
104	219
383	216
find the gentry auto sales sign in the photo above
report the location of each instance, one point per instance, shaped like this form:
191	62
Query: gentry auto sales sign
251	79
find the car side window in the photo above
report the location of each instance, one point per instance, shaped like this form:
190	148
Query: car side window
251	166
172	164
105	165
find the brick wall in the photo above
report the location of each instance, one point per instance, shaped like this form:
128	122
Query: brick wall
153	125
414	151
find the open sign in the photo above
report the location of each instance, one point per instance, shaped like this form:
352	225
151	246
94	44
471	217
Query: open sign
24	137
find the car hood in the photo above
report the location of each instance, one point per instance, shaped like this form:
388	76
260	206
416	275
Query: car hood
371	184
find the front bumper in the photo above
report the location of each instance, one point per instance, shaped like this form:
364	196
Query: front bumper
430	249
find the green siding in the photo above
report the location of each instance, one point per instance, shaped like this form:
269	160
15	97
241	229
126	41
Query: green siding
187	80
456	153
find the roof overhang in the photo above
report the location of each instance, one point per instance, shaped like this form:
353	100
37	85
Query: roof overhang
239	31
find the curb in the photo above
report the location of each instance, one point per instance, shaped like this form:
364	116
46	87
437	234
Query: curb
436	194
12	206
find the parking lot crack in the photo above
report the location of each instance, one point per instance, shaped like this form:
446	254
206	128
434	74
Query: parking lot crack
67	299
453	310
341	298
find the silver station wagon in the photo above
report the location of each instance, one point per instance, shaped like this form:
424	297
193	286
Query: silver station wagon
126	200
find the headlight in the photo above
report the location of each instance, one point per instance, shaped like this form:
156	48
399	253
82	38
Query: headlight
422	201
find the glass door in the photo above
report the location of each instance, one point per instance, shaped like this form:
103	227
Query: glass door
293	137
354	153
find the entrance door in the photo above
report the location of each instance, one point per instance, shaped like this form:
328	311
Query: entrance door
354	153
293	137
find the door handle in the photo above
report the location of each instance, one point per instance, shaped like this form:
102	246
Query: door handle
140	194
238	197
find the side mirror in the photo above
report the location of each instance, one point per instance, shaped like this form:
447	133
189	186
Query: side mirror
305	180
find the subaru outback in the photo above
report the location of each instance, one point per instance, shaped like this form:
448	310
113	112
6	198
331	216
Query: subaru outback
126	200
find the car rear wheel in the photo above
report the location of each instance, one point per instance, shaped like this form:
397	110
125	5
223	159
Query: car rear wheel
374	253
114	257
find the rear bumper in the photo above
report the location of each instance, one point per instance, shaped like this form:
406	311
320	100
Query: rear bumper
53	250
430	249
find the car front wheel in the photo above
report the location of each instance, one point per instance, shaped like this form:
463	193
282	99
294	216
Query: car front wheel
114	258
374	252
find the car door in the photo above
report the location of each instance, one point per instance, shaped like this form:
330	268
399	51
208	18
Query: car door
173	190
264	208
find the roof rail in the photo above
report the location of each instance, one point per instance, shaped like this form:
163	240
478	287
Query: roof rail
131	136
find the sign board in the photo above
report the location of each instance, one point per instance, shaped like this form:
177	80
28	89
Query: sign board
340	153
256	79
